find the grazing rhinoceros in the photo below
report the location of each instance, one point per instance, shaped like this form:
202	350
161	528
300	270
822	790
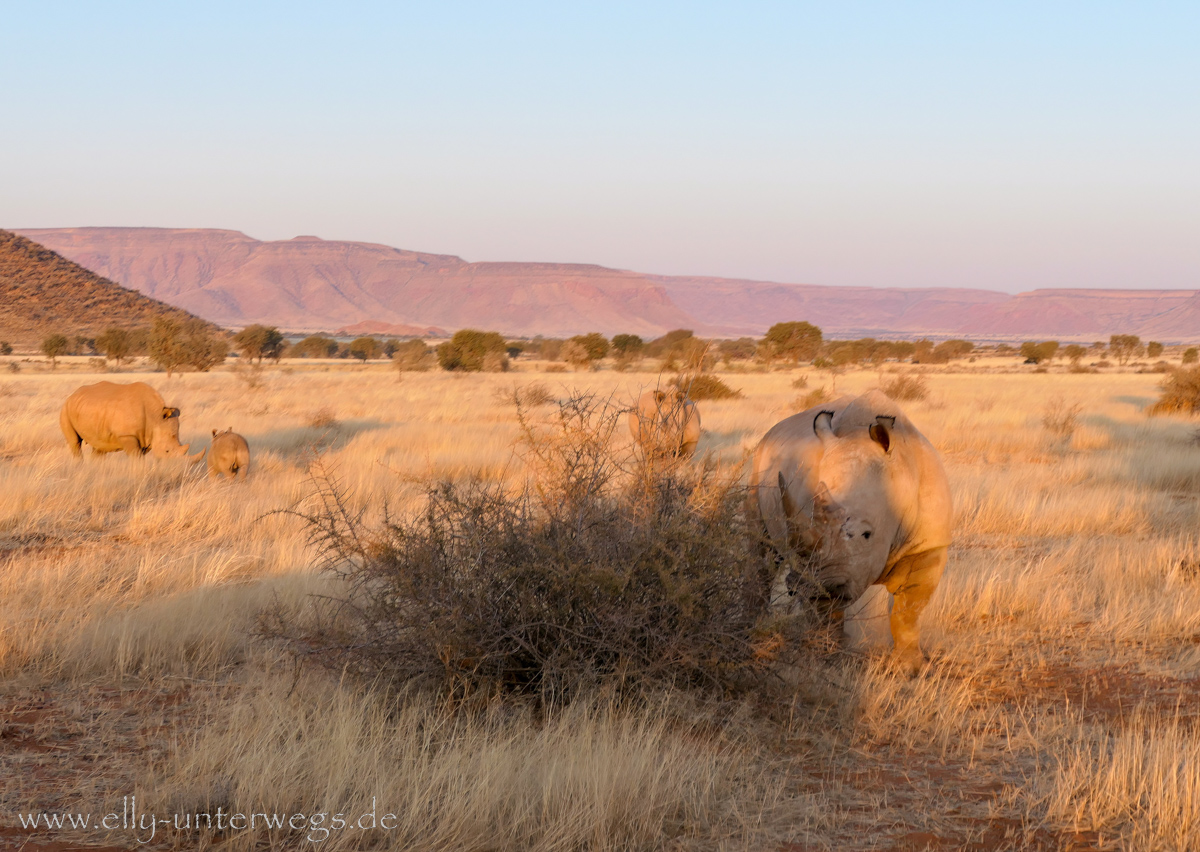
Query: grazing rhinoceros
665	423
229	455
853	488
131	418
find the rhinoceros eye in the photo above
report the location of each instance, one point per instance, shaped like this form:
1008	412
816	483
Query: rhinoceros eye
867	534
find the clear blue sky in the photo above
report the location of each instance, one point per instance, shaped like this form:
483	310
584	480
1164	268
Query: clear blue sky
1003	145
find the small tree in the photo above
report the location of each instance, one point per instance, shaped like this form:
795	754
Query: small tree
314	346
596	345
951	349
1124	346
472	350
1074	353
922	351
1191	355
629	345
583	350
1153	349
54	347
203	348
413	356
742	349
1039	352
166	345
365	348
5	347
259	341
575	354
116	344
792	341
174	345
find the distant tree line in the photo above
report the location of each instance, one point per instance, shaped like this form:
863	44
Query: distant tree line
174	345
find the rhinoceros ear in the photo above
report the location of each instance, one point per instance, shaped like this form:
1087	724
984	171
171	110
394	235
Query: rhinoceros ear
659	396
168	412
214	433
823	425
879	431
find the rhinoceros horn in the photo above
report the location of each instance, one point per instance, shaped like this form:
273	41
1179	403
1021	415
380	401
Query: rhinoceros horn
196	457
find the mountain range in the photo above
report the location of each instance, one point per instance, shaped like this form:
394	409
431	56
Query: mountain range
311	284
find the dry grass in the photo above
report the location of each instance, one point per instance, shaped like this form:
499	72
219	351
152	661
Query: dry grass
1058	709
905	387
582	777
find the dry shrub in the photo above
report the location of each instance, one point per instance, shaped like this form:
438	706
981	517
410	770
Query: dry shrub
14	367
1180	392
323	418
528	396
414	356
495	362
1061	418
600	569
801	381
905	387
701	386
555	368
814	397
535	394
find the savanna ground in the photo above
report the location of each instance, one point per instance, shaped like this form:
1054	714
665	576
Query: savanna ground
1059	711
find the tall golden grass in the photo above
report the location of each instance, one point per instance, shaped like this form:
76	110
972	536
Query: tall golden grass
1076	562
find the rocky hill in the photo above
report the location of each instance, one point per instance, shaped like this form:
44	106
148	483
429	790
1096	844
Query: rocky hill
310	284
43	293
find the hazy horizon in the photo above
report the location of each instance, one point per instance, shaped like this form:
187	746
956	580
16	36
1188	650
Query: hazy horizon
1007	147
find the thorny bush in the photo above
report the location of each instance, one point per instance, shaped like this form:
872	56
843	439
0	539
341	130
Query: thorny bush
1180	393
601	569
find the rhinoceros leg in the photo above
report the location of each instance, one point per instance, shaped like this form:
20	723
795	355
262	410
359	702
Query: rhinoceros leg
130	445
74	440
913	581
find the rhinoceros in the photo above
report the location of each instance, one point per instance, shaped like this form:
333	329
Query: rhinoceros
855	490
131	418
229	454
665	423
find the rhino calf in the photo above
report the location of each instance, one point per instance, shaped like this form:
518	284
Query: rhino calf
856	490
229	455
131	418
665	423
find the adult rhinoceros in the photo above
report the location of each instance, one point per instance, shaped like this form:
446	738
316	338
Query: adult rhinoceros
859	493
131	418
665	423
